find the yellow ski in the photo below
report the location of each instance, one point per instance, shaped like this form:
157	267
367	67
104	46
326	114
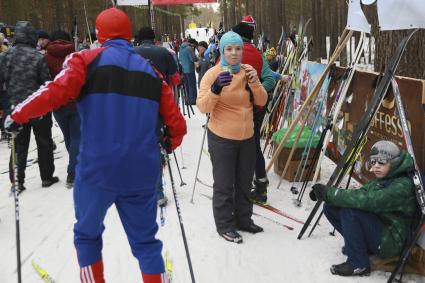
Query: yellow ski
43	273
168	266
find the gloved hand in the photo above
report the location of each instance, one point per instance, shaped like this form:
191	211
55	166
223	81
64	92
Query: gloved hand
223	79
318	192
11	126
166	141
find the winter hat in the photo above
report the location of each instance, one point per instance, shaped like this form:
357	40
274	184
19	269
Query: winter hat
244	30
271	53
146	33
193	41
113	23
60	35
250	21
230	38
385	151
203	44
42	34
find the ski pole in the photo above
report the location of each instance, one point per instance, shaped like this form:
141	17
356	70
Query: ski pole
181	221
181	154
182	183
199	159
16	198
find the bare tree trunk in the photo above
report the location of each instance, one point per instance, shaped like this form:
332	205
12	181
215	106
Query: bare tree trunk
238	11
232	14
224	9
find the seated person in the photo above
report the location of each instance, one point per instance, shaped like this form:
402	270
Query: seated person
376	218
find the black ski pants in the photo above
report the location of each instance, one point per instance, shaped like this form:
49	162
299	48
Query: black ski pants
43	136
233	164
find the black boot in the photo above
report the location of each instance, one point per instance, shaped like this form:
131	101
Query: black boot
252	228
232	236
345	269
259	191
70	180
49	182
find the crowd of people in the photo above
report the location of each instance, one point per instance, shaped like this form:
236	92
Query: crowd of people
42	75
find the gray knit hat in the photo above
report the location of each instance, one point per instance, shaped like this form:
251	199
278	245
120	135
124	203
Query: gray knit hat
385	151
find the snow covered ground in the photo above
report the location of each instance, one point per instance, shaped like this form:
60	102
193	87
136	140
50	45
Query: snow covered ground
47	219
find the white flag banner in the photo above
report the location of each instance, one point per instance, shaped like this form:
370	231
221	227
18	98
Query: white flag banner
401	14
132	2
356	19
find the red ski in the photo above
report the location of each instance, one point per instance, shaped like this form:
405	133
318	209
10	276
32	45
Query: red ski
278	211
259	215
274	221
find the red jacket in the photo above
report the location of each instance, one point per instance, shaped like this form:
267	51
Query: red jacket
253	57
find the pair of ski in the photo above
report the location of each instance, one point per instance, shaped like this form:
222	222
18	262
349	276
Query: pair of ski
48	279
340	98
271	209
30	162
306	108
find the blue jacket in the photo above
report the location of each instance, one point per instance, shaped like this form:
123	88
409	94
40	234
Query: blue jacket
187	58
119	99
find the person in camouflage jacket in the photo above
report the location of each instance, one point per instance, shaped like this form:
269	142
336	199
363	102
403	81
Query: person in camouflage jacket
22	71
376	218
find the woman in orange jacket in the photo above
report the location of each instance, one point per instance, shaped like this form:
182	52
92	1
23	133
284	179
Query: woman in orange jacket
228	92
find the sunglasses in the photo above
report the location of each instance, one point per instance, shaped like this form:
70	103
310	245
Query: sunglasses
372	162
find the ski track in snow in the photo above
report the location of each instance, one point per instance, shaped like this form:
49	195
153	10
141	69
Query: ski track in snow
47	218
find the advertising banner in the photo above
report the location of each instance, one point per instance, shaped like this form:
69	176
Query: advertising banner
386	124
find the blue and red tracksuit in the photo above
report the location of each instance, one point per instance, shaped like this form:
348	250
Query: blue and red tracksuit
119	98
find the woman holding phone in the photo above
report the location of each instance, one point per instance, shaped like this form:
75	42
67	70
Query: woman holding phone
228	92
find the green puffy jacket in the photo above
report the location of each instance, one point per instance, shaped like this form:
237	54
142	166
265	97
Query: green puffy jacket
391	198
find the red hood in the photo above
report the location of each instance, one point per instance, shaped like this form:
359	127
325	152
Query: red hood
60	48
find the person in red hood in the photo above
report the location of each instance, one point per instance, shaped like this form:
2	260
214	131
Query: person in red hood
120	98
67	117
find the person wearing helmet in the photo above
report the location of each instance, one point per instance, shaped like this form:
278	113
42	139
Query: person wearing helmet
120	97
376	218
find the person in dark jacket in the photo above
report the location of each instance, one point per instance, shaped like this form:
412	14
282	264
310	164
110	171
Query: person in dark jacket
163	60
67	117
120	97
376	218
160	57
203	62
253	57
22	71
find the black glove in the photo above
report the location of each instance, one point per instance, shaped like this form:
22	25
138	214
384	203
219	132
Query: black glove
166	141
11	126
166	144
318	192
223	79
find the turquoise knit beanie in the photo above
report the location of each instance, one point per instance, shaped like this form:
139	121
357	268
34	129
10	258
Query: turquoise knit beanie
230	38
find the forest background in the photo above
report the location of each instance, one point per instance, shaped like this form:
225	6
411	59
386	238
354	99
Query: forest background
328	18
